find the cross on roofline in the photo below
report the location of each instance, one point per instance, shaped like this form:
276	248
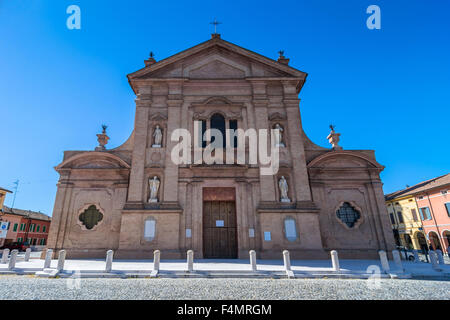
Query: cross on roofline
215	23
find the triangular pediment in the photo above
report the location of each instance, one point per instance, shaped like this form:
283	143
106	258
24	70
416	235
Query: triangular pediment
217	59
215	69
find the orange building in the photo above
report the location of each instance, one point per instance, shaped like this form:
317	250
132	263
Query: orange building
3	193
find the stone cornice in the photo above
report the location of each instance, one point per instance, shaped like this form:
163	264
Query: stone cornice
316	162
96	155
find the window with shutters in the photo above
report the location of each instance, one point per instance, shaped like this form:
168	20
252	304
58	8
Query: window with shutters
425	213
400	216
447	206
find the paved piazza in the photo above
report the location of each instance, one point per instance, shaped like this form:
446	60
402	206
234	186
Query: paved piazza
29	287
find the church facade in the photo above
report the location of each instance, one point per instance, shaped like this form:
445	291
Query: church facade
135	198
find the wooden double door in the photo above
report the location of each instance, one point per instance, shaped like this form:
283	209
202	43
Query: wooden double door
219	230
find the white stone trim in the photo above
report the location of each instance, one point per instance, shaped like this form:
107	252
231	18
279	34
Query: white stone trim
442	233
437	233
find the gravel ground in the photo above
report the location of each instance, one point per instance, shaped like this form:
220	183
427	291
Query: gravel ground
28	287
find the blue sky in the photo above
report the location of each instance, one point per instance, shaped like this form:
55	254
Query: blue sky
387	90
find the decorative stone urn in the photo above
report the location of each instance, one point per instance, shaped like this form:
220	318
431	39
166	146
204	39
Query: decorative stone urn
102	139
333	139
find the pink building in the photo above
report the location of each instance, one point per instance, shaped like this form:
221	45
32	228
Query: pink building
433	200
25	226
11	235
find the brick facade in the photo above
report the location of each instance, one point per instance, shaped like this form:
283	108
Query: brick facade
245	89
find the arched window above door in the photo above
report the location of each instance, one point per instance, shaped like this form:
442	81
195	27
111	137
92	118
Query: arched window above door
218	122
221	123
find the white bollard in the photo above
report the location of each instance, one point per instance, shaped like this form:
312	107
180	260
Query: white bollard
5	255
433	260
27	254
286	259
109	260
384	261
190	260
61	260
12	260
156	258
416	256
335	261
398	260
48	258
440	256
253	260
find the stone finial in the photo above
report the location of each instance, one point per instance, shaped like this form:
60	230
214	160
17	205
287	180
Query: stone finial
151	60
102	139
281	58
333	138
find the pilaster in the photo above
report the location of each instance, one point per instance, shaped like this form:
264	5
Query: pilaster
297	149
143	104
260	104
174	103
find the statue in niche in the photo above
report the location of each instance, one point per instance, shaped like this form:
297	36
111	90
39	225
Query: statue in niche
279	135
282	184
157	135
154	187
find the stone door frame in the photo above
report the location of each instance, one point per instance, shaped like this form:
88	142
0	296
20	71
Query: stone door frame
197	213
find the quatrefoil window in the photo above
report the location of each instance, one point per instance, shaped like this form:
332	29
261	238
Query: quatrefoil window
91	217
348	215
